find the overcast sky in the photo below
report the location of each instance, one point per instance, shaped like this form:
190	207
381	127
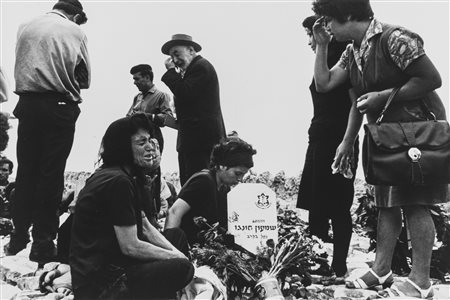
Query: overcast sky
259	50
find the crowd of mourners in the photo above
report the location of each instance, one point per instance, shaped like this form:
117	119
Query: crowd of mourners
115	231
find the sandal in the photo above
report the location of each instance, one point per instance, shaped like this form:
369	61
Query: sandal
43	286
394	292
359	283
64	288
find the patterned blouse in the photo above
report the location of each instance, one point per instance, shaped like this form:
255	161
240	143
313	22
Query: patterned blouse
404	47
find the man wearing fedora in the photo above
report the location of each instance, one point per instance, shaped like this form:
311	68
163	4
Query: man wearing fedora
51	67
195	86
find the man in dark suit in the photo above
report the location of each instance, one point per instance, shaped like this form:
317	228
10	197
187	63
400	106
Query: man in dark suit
194	84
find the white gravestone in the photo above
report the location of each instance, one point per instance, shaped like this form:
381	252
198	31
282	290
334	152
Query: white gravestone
252	215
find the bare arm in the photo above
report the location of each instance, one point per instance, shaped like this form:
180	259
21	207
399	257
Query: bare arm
344	152
325	78
176	213
131	246
152	235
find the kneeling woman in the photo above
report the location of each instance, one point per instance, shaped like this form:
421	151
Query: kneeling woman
111	235
205	193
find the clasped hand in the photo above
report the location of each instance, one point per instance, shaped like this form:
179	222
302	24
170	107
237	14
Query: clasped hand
368	102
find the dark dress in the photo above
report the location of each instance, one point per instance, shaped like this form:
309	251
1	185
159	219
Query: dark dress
110	198
205	200
326	195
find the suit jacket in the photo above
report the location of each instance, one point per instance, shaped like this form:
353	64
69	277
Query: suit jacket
197	105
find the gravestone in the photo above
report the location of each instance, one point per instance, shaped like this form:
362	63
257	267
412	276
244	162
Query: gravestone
252	215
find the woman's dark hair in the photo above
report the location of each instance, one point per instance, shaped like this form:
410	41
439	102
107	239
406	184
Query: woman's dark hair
341	10
116	143
308	22
232	152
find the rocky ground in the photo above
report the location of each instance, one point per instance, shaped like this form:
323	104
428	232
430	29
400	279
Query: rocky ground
19	278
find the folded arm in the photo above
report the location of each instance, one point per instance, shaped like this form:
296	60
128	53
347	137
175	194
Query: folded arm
133	247
424	78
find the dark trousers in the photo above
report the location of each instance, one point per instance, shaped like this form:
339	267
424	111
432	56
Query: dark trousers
162	279
192	162
154	279
44	140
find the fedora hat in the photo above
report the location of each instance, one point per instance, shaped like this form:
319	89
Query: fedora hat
180	39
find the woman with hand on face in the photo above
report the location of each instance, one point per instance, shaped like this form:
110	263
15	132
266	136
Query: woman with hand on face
205	193
111	234
327	130
381	58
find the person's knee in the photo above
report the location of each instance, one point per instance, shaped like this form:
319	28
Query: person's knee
418	219
187	269
413	210
390	212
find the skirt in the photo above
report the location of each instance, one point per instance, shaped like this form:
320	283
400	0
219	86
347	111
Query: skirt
393	196
319	189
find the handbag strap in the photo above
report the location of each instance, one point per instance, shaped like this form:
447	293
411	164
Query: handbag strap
389	101
428	110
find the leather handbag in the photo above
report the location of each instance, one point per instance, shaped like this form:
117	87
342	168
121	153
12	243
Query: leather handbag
406	153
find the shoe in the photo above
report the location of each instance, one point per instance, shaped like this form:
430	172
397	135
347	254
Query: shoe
14	246
43	255
339	271
359	283
323	270
394	292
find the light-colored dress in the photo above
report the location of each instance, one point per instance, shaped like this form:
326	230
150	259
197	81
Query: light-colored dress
378	64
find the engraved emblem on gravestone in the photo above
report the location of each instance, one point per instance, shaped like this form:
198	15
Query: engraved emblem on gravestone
263	201
252	217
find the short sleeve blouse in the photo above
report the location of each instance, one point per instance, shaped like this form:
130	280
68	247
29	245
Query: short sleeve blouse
404	47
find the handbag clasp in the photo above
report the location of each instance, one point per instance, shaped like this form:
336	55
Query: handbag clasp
415	154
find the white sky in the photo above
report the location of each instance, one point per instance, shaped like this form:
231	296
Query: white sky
259	50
